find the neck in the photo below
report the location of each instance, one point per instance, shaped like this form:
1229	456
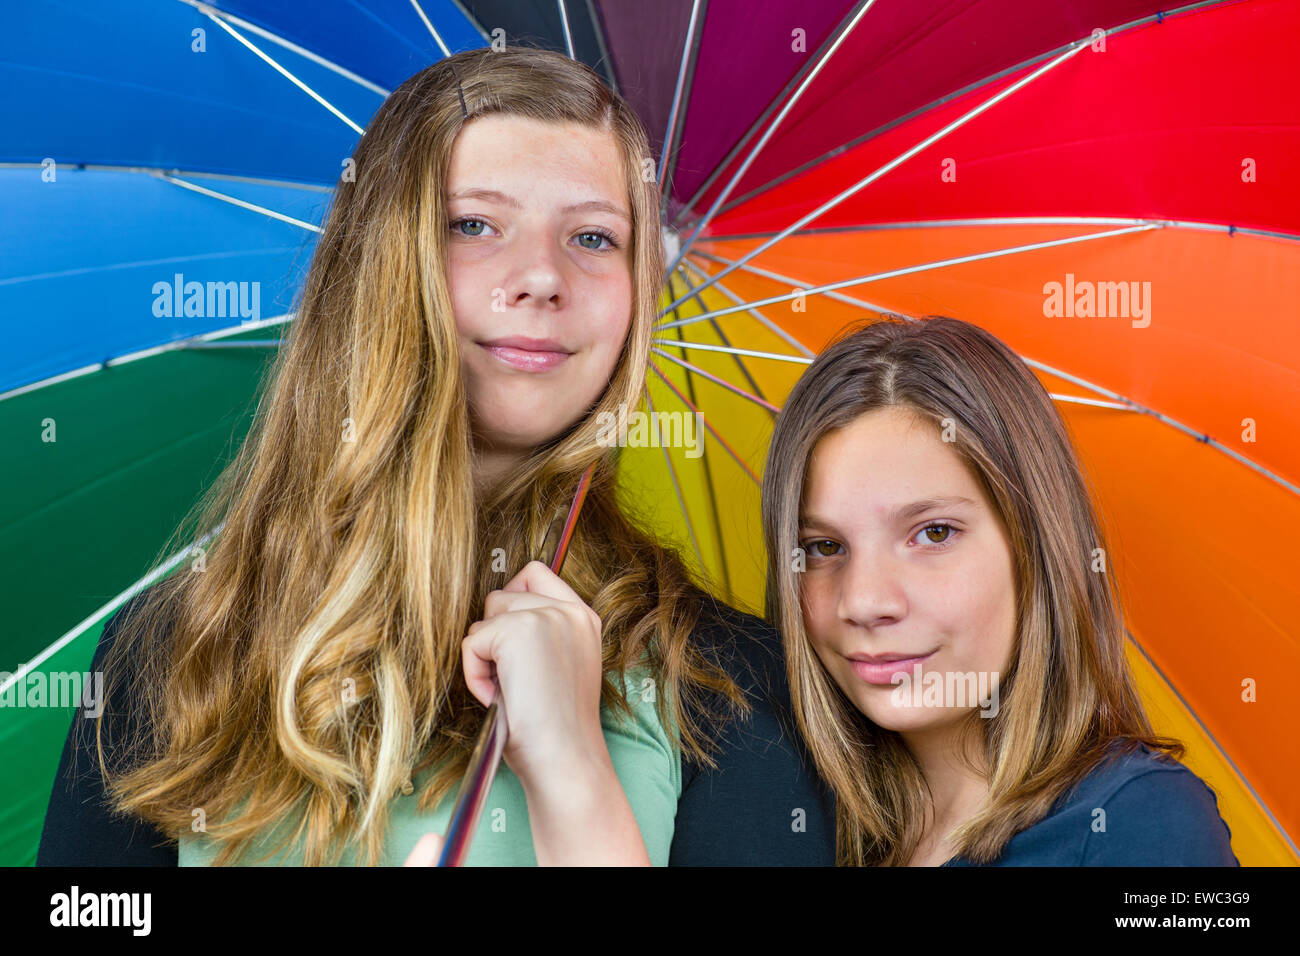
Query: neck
957	790
491	465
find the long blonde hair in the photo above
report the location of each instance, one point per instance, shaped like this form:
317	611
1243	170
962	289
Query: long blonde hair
1067	693
314	666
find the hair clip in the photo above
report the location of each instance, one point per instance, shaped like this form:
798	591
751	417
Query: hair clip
464	112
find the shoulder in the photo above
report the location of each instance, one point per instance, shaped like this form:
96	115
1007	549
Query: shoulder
1147	809
125	616
81	828
746	646
763	804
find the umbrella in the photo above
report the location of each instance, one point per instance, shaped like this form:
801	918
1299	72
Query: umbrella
1079	183
824	162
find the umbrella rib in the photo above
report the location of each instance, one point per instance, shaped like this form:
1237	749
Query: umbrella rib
1214	740
896	161
240	344
807	361
1080	400
1012	221
947	98
104	610
717	381
712	431
798	93
672	474
146	353
767	273
564	21
1118	399
771	107
717	329
282	71
771	326
598	30
429	26
303	52
676	116
708	477
472	19
893	273
243	204
731	349
154	170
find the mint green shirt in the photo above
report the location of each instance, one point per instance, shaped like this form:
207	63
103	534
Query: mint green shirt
647	764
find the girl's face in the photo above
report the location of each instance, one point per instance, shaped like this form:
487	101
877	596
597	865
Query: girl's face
540	275
907	564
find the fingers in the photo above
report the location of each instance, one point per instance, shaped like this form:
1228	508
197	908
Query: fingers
426	851
502	602
539	579
478	654
536	587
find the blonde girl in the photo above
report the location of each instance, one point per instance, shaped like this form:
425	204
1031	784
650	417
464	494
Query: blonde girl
480	294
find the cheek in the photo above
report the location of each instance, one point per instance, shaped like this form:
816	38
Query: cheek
980	608
468	299
611	310
613	304
818	599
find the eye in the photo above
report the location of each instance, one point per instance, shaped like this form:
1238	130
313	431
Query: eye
599	234
938	534
816	547
468	220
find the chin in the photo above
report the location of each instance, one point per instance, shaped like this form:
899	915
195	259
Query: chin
911	720
901	720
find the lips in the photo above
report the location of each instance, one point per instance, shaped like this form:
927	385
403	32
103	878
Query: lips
887	658
526	344
882	668
529	355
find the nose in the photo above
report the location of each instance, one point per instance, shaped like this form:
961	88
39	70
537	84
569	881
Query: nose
536	275
872	592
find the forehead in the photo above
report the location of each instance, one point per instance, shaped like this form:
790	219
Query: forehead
881	459
526	158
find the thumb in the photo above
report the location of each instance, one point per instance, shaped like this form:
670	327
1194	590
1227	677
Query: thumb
426	852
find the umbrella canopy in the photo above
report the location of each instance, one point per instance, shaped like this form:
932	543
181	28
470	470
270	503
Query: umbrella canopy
826	162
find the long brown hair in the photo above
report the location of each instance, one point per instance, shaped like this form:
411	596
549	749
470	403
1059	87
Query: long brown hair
1067	694
314	665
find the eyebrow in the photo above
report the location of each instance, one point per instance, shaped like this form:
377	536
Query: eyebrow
901	513
492	195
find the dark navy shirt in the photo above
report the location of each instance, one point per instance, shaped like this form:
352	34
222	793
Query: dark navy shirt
764	804
1155	812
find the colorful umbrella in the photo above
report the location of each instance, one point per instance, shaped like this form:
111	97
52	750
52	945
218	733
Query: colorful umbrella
1110	190
823	162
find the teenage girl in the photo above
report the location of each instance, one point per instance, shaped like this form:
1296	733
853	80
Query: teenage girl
953	635
481	293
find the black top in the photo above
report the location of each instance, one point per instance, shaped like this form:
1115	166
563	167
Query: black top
79	829
764	805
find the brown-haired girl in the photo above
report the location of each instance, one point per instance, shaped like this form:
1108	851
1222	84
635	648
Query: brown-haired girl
955	651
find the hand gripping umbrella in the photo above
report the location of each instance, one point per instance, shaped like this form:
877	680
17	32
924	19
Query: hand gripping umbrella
491	743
